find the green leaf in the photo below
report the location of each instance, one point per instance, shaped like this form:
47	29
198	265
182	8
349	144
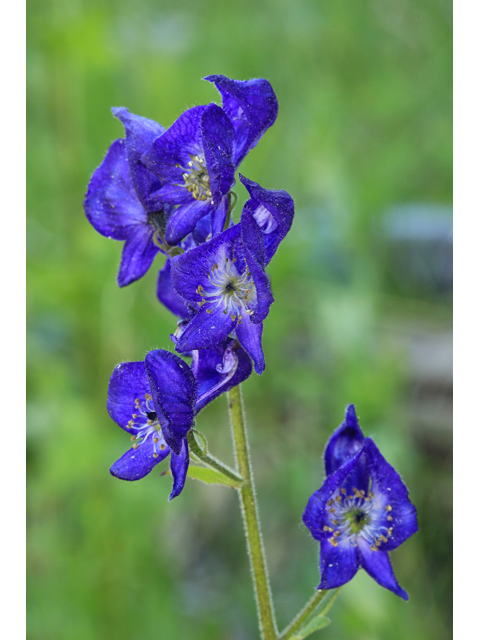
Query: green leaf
316	623
208	476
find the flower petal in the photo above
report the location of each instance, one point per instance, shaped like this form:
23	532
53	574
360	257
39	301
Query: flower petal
172	194
128	382
218	137
137	463
174	394
250	337
219	215
167	294
193	268
137	255
252	107
209	327
316	510
377	564
389	489
111	203
185	218
338	564
175	146
179	467
273	212
201	232
254	252
140	134
344	442
219	369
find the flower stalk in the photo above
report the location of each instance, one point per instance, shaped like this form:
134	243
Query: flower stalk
211	461
251	521
304	614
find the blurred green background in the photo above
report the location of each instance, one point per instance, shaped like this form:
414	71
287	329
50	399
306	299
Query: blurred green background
362	313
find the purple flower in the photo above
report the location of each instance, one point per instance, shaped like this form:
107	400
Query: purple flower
361	512
219	369
344	442
120	203
167	295
272	211
196	158
252	107
153	401
194	161
225	277
156	401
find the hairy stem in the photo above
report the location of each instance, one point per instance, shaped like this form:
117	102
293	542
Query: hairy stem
251	521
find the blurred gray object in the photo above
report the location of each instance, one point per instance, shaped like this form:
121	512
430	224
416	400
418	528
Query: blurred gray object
420	239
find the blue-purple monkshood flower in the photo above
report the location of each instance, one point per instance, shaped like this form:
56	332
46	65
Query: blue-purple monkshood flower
194	161
120	201
361	512
156	401
272	211
227	281
196	158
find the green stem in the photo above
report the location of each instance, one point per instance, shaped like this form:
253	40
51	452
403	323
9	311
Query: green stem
210	460
251	522
307	610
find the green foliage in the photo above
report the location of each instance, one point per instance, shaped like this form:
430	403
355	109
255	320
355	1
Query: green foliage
209	476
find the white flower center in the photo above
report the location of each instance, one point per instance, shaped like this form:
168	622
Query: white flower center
146	424
356	517
229	289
